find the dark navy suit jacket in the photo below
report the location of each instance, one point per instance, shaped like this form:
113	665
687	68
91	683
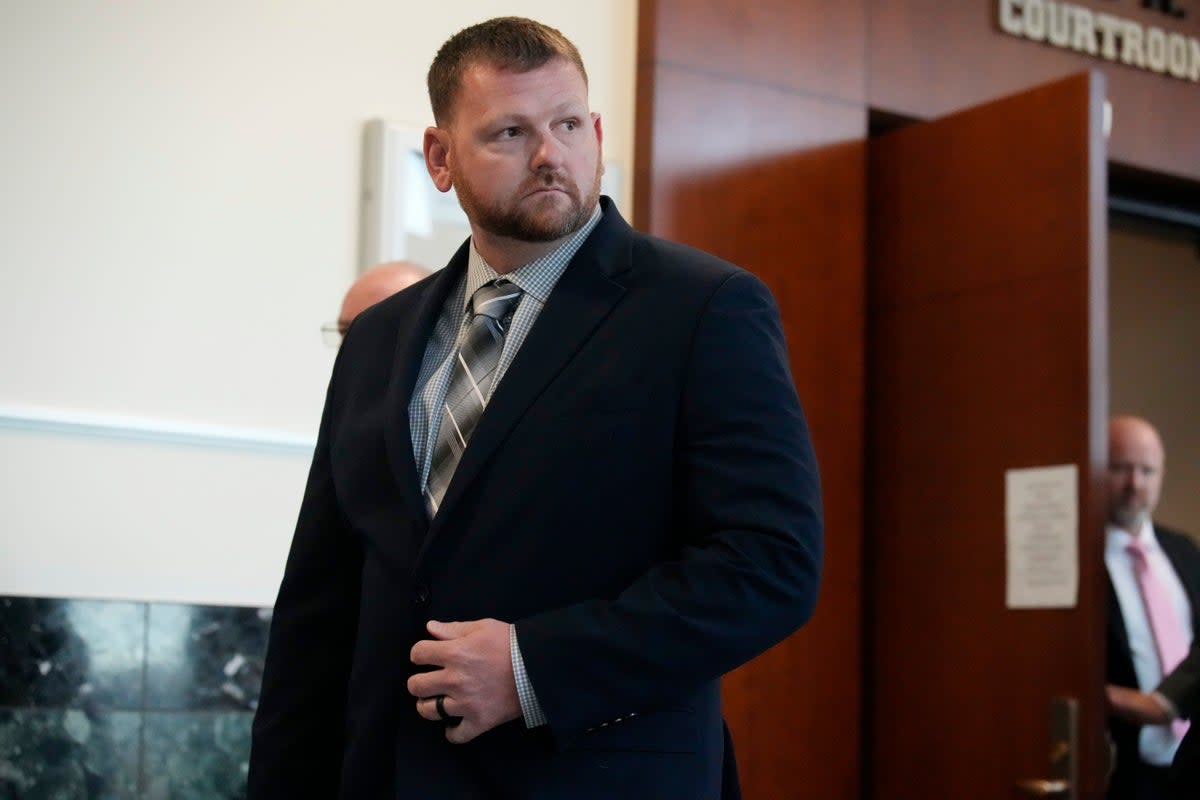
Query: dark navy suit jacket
640	498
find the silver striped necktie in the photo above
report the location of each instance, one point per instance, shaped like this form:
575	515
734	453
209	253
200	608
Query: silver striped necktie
492	308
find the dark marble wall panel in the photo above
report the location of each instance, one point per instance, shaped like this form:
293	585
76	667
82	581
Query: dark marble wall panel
196	755
71	653
127	701
69	754
205	657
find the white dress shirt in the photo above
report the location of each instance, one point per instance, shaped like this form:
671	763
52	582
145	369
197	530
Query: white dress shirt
1157	744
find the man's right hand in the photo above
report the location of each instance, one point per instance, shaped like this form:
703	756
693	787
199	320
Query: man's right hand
1135	706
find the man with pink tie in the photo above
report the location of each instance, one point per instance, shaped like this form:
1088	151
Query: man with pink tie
1154	600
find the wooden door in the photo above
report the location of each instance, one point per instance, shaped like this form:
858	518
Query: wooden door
986	352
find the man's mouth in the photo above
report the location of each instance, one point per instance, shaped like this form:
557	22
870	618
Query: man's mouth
546	190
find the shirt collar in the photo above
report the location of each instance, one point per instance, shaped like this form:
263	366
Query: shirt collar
1118	539
534	278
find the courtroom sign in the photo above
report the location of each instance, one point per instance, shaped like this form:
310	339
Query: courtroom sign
1113	37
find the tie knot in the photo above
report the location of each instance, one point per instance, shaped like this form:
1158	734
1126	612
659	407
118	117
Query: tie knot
495	300
1136	548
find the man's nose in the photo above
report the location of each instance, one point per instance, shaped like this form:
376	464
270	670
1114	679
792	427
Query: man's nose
547	153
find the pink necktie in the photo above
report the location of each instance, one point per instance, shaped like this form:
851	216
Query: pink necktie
1168	633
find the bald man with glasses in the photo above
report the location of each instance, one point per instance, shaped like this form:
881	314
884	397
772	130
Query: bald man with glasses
378	283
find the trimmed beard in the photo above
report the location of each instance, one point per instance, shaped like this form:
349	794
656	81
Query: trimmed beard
1128	518
530	226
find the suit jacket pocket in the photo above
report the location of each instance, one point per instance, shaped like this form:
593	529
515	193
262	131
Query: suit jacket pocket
663	731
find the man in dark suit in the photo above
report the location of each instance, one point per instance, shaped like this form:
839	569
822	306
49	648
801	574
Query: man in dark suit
1154	600
559	489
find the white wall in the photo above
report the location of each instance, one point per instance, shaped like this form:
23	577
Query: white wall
178	215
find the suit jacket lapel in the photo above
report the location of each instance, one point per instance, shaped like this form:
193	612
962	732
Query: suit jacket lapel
1173	548
585	294
410	352
1118	639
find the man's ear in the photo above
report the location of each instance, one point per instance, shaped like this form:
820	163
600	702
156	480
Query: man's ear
437	152
599	139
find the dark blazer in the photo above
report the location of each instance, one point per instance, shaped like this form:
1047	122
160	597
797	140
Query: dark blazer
1185	769
640	498
1182	687
1184	556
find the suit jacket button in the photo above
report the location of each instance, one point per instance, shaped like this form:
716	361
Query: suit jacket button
421	594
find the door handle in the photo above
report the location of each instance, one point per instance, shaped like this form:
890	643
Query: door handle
1064	733
1040	787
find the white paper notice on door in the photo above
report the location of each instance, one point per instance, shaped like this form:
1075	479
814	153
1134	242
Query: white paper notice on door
1042	522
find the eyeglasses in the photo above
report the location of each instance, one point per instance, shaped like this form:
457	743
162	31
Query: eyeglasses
332	332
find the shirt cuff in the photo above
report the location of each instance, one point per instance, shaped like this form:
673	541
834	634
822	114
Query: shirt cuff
530	708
